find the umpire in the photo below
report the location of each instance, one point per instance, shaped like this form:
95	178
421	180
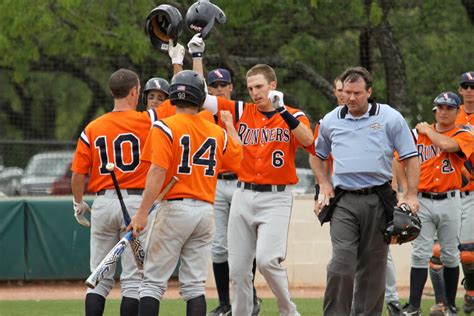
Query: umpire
358	202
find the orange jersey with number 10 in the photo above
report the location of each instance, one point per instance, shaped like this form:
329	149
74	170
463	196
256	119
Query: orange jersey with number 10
193	149
269	146
115	137
467	121
441	171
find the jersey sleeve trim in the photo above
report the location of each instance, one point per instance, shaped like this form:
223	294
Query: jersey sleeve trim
239	110
153	116
409	155
161	125
321	156
84	139
298	114
225	141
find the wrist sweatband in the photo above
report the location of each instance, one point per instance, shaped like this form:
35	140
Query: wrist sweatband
196	55
288	118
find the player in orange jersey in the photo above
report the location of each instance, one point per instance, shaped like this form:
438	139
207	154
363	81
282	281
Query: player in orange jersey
442	150
195	150
466	119
116	137
261	206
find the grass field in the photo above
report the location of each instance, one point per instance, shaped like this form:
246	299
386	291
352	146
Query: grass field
168	307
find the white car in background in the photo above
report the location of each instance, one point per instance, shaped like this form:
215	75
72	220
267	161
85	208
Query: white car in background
43	170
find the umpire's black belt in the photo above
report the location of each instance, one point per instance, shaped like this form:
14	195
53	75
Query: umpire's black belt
262	187
227	176
437	196
129	192
365	191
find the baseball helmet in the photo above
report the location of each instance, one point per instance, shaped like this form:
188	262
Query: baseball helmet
201	16
164	23
156	83
405	227
189	86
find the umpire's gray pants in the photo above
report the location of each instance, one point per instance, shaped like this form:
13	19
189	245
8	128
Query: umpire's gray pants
356	272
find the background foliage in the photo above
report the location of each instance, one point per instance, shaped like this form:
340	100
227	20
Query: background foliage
56	55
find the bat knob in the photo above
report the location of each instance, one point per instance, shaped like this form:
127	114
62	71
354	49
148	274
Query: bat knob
110	166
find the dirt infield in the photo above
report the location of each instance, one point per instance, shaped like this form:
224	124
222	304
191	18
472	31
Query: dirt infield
70	290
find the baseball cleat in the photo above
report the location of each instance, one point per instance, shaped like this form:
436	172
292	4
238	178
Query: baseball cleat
468	304
451	310
394	308
221	310
256	306
438	310
409	310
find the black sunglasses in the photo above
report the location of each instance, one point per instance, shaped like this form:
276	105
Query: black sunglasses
219	84
466	85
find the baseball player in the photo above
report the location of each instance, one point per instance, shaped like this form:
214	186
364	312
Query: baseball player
442	151
116	137
195	150
466	119
261	206
220	84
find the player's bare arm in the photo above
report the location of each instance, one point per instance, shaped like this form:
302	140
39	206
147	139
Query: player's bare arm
412	169
303	135
154	181
227	118
326	190
196	48
444	143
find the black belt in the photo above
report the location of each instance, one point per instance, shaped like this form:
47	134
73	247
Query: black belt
177	199
465	193
366	191
129	192
262	187
227	176
440	196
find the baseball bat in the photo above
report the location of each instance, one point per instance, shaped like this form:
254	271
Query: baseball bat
112	257
137	249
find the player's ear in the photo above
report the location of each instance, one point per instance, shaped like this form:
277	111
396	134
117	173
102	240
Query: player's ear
273	85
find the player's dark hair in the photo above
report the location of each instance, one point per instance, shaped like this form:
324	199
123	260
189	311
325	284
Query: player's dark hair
121	82
262	69
355	73
338	78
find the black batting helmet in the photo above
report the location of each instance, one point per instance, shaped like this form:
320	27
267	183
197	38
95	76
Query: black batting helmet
189	86
405	227
201	16
156	83
163	23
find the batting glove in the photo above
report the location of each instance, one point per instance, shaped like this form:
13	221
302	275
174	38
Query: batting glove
276	99
176	53
196	46
80	210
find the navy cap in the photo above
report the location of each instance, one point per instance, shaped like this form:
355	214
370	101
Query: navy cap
219	74
447	98
467	77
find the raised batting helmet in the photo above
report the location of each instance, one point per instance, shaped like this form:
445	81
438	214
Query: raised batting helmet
156	83
405	226
163	23
201	16
189	86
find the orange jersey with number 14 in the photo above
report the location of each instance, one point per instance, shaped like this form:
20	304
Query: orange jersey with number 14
115	137
193	149
441	171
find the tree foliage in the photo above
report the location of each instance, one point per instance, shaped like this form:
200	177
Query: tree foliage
56	55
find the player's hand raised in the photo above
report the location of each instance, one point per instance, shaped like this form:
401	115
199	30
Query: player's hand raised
226	117
176	53
423	128
196	45
276	99
80	210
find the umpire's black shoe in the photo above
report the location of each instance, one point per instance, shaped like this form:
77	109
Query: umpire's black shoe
256	306
221	310
409	310
468	304
394	308
451	310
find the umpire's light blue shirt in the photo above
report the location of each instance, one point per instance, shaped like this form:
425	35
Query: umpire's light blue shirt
362	147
